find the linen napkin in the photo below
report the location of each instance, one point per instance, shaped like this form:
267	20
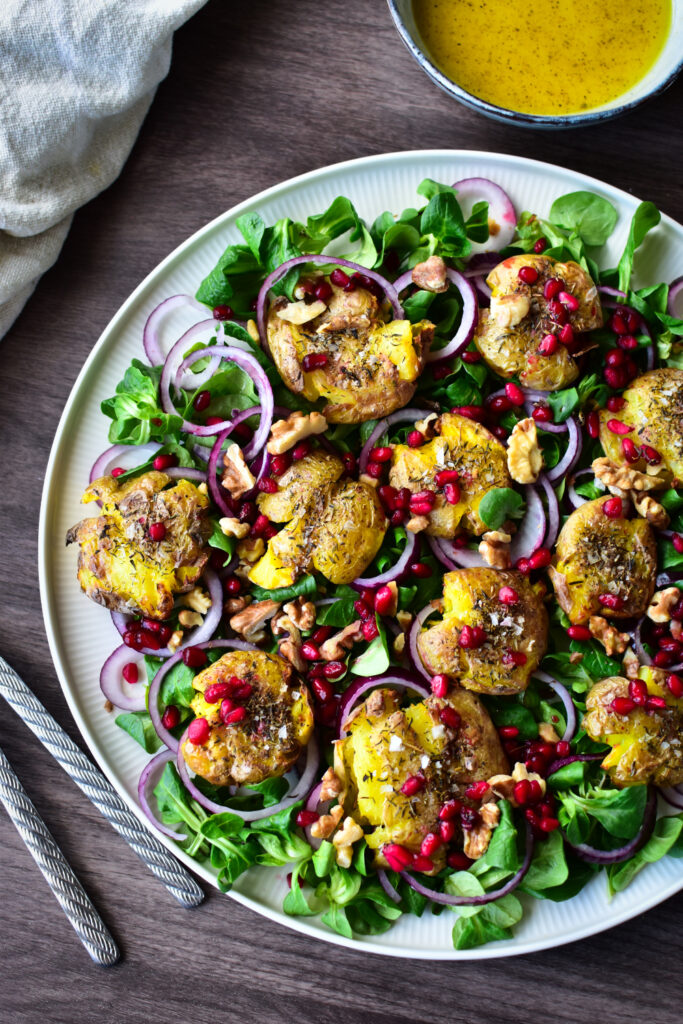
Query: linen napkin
76	80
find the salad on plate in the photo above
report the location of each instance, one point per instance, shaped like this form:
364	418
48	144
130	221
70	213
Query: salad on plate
392	535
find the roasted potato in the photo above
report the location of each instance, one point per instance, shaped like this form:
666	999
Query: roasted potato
388	743
595	557
508	334
646	746
278	724
119	564
371	366
336	526
514	632
654	408
463	445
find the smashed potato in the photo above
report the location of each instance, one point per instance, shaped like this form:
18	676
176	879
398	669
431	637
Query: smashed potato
603	566
268	741
387	744
509	333
348	354
647	746
120	565
516	634
463	445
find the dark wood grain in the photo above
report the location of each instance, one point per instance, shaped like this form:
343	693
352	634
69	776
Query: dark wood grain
258	92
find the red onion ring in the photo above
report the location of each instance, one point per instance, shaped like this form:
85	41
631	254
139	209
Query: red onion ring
595	856
674	303
555	766
415	628
150	333
575	499
402	416
468	321
487	897
396	678
383	880
532	528
186	473
313	803
312	764
112	682
453	557
570	457
612	293
501	211
481	264
553	511
395	571
215	488
564	695
673	796
110	458
482	290
148	778
643	657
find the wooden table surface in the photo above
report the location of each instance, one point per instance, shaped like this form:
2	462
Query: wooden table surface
259	92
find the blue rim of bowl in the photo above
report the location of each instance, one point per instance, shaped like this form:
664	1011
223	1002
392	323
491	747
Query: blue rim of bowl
515	116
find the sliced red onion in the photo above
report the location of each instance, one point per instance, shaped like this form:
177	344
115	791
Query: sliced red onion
570	457
215	488
674	303
666	579
125	455
595	856
123	695
155	687
415	628
482	290
148	779
575	499
402	416
476	901
395	571
396	678
643	657
501	211
185	473
552	513
468	321
383	880
453	557
673	795
319	259
150	334
561	762
564	695
612	293
313	803
532	529
312	764
481	264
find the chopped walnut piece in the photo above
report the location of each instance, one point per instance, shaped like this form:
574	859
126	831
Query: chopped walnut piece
331	785
285	434
428	425
232	527
336	647
478	838
623	477
404	619
197	599
251	549
253	616
343	841
236	604
662	604
300	312
650	509
416	524
291	652
301	612
237	477
609	636
431	275
630	664
524	456
494	548
676	629
547	732
503	786
189	619
282	625
327	823
175	641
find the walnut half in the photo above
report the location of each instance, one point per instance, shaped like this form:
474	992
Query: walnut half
525	458
494	548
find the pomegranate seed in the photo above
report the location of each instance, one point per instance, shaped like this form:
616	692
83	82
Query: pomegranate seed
470	412
212	421
387	495
514	393
548	345
611	601
227	706
456	860
615	357
663	659
259	526
667	643
309	651
439	372
130	672
447	830
542	414
216	692
499	405
522	792
522	565
413	784
202	401
452	493
651	454
314	361
396	856
468	818
552	288
477	790
440	685
633	320
451	809
321	634
384	601
557	312
677	542
508	595
629	450
616	403
517	658
339	278
423	864
570	301
471	637
541	558
157	532
566	334
627	342
323	291
171	717
430	844
374	469
382	454
165	462
232	586
548	824
415	439
369	630
334	669
562	748
301	450
199	731
613	508
593	424
194	657
446	476
655	704
426	497
622	705
117	471
637	691
223	313
247	512
362	609
420	570
536	794
280	464
675	684
615	377
508	732
540	245
267	486
529	275
449	717
471	357
536	763
235	716
306	818
151	640
322	690
618	323
242	691
617	427
349	460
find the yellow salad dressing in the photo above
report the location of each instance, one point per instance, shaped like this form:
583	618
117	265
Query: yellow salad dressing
544	56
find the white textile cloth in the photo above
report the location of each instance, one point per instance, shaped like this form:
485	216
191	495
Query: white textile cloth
76	80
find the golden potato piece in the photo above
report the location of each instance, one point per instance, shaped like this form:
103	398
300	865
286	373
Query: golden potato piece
372	366
119	564
298	485
466	446
514	632
646	746
654	408
601	557
350	533
508	334
388	743
278	725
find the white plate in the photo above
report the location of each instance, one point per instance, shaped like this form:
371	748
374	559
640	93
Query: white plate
81	634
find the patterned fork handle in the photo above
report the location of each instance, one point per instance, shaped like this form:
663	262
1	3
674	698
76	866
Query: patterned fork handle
70	894
98	789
